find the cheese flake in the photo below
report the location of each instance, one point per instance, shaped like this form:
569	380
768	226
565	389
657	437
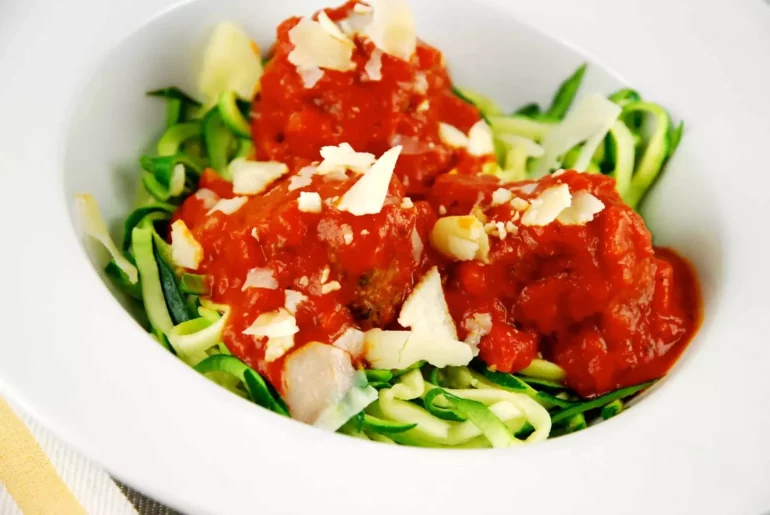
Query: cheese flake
519	204
367	196
373	67
309	202
329	26
277	347
393	28
360	8
330	287
310	75
426	309
207	197
254	177
347	234
478	326
351	341
314	46
583	209
480	141
260	278
501	196
451	136
548	206
303	178
342	157
185	249
228	206
292	300
406	203
274	324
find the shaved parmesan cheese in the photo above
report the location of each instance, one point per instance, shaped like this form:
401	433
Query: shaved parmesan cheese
528	188
309	202
358	397
402	349
406	203
583	209
315	377
347	234
423	106
460	237
208	197
330	287
452	136
302	179
231	62
501	232
548	206
519	204
478	327
441	210
94	226
185	249
373	67
417	246
501	196
254	177
367	196
274	324
511	227
293	300
325	274
260	278
351	341
303	281
228	205
329	26
420	83
310	75
277	347
589	121
426	309
315	47
362	8
343	157
393	28
480	141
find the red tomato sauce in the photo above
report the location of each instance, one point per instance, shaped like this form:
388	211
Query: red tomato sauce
597	299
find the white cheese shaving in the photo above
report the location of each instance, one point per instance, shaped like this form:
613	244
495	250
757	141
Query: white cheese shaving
367	196
460	237
309	202
303	178
406	203
329	26
315	47
589	121
423	106
501	232
185	249
228	206
274	324
373	67
420	83
501	196
393	28
546	208
231	62
451	136
426	309
94	226
330	287
519	204
325	274
583	209
478	326
277	347
292	300
260	278
360	8
310	75
480	141
511	227
347	234
254	177
528	188
343	157
303	281
351	341
441	210
207	197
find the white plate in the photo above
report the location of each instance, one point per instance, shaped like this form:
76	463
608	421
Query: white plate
73	358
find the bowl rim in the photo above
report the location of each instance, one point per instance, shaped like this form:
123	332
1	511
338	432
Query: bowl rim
94	423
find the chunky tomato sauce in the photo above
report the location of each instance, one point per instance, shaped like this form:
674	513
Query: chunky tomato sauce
597	299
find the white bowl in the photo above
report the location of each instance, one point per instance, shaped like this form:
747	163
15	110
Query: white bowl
75	119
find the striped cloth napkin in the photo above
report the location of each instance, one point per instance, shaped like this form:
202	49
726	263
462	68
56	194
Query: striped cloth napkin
40	476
